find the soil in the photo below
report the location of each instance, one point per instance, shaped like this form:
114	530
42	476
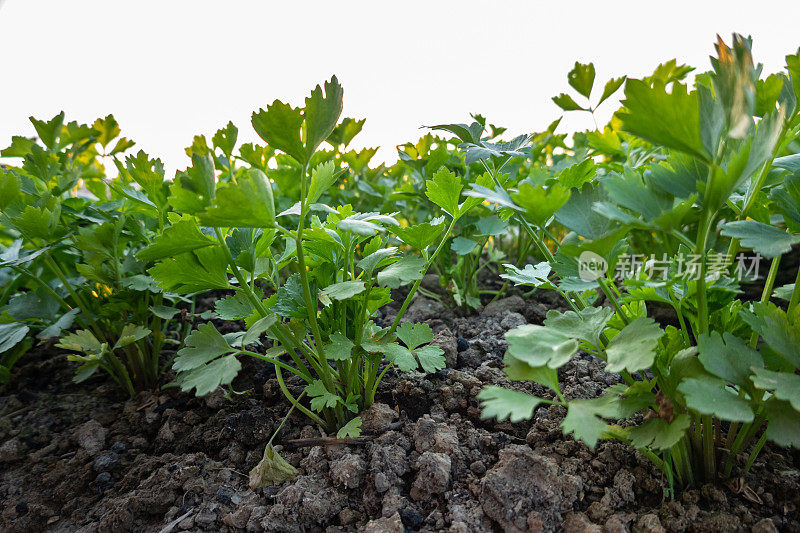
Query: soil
85	458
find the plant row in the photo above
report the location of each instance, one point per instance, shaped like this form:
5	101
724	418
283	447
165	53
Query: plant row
675	204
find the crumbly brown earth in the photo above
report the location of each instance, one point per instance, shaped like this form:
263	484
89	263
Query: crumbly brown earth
84	458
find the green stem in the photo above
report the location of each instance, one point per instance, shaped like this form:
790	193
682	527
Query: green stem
75	296
703	230
708	447
743	438
417	283
767	292
795	298
753	454
610	295
296	402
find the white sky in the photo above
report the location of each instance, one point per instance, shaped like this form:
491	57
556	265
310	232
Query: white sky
170	69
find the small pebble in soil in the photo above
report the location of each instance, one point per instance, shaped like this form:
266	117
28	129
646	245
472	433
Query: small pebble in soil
411	518
119	447
227	496
105	462
478	468
103	482
462	344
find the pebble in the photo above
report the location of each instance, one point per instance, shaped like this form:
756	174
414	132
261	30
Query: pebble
119	447
462	344
103	482
91	436
226	495
411	518
478	468
105	462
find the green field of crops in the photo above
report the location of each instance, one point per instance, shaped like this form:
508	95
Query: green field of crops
663	246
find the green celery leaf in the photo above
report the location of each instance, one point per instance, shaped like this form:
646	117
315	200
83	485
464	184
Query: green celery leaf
540	345
773	325
141	282
62	324
248	203
574	176
467	134
659	434
541	203
148	173
225	139
610	88
202	345
517	370
322	113
431	358
420	236
194	189
207	378
322	177
784	292
784	423
50	130
565	102
290	302
351	429
496	195
728	357
532	275
182	236
491	225
202	269
404	271
371	261
634	348
414	335
131	333
259	326
9	189
445	191
164	312
787	199
463	246
235	306
766	240
502	403
668	119
581	78
340	348
344	290
710	396
785	386
584	420
577	213
587	325
320	396
13	333
401	357
35	222
80	341
20	147
279	125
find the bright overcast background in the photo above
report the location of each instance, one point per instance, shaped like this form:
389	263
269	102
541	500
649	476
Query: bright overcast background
171	69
